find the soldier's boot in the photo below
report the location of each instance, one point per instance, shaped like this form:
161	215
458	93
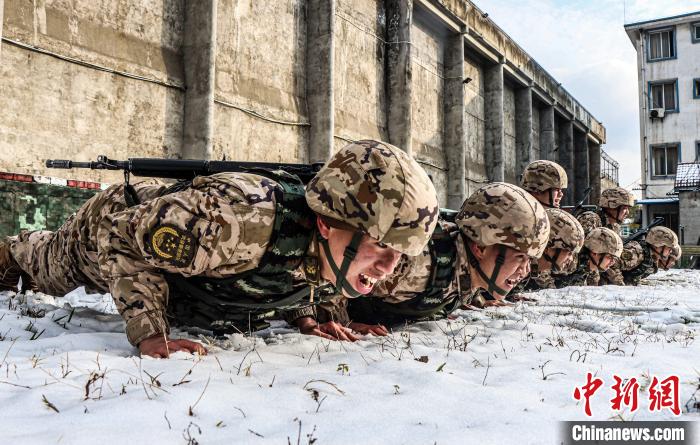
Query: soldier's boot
10	271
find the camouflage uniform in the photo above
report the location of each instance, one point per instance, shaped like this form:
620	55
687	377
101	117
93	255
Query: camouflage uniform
638	261
542	176
609	199
601	241
218	232
566	234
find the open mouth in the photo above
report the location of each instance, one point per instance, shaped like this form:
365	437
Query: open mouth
366	283
511	282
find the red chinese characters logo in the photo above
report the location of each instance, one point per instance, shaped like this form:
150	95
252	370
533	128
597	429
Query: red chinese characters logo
662	394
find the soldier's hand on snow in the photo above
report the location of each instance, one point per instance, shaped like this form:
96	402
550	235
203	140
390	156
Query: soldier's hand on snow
159	346
496	303
364	329
330	330
520	297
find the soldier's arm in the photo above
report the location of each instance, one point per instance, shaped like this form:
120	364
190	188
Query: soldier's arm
181	233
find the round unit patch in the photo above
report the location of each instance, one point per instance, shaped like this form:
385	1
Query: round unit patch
173	245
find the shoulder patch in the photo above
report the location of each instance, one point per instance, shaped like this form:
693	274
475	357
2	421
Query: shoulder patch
173	245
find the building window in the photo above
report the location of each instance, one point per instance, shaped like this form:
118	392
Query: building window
662	44
696	88
697	151
664	159
664	95
695	32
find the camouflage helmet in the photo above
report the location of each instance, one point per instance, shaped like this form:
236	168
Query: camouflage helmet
604	240
616	197
660	236
505	214
379	190
565	231
540	176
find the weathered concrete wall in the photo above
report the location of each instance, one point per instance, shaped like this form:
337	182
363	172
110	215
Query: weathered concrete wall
360	101
260	66
509	156
53	108
475	125
293	81
689	214
427	116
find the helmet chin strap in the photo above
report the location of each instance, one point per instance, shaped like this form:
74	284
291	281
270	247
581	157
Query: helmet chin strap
341	282
490	281
551	198
553	260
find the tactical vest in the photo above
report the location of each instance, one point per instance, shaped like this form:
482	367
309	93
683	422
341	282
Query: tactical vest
241	302
432	302
643	270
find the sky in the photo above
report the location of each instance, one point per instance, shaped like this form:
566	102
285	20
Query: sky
583	44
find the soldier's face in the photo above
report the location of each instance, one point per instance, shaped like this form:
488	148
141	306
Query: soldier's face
603	260
515	267
543	197
373	262
661	255
619	213
563	260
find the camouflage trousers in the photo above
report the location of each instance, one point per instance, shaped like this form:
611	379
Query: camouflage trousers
61	261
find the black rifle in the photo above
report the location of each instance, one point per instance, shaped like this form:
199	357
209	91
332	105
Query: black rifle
639	234
185	169
576	210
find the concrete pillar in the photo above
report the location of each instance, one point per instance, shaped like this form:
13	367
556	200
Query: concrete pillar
399	17
581	163
320	24
493	115
594	171
523	129
2	8
199	50
566	159
547	138
454	123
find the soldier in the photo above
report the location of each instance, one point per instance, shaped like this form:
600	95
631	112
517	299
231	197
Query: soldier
546	181
672	258
614	206
499	228
642	258
600	249
565	242
230	247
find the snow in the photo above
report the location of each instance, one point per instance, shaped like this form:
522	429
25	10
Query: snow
503	375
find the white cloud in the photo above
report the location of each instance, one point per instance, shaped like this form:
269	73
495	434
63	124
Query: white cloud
583	45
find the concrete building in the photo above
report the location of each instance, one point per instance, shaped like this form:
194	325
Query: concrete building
284	81
668	62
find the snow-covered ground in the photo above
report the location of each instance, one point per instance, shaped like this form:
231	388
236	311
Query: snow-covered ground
497	376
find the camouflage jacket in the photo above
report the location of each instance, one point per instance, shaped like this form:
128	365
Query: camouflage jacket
219	227
637	262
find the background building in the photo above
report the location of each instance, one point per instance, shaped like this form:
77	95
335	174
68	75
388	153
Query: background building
668	61
284	81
